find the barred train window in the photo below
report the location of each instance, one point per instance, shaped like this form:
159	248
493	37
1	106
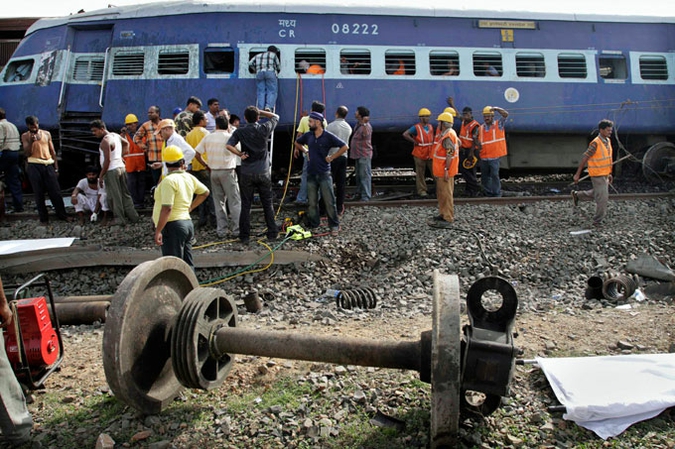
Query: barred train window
487	63
128	64
355	62
88	68
444	63
219	60
399	62
311	61
612	67
572	65
653	67
530	65
18	70
173	63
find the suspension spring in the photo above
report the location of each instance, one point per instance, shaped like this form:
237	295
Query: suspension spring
620	287
362	298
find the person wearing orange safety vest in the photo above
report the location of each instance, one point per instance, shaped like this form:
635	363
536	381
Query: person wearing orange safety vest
469	149
134	162
445	166
493	147
598	156
421	135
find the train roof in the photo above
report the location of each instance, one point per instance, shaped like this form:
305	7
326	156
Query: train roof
633	12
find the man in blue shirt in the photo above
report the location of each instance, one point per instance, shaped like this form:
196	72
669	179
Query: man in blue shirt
319	142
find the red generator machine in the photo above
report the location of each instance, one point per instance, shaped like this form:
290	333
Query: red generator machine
33	339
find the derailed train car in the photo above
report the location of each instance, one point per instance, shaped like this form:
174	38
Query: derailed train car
557	74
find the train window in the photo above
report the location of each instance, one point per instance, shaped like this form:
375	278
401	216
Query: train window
653	67
444	63
88	68
612	67
399	62
530	65
219	60
18	70
487	63
355	62
311	61
173	62
128	64
572	65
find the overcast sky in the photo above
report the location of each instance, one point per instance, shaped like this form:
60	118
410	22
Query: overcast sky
59	8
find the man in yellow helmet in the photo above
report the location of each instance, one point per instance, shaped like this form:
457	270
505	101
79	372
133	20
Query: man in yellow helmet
493	147
445	156
174	200
134	162
421	135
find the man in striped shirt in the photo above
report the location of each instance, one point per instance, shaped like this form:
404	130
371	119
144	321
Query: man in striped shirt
266	66
151	143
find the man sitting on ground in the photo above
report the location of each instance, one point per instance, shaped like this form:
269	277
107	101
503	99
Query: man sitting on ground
88	196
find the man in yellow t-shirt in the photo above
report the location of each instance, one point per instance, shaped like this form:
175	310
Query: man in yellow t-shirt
174	200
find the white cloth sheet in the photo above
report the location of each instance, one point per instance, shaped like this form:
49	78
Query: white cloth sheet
608	394
16	246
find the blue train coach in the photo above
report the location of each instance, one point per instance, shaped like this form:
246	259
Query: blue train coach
557	74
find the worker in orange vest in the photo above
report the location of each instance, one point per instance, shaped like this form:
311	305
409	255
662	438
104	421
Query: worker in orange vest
493	148
598	156
134	162
421	135
469	149
445	166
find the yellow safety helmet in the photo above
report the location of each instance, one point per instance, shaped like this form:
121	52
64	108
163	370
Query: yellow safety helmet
130	118
487	110
424	112
470	163
450	110
172	154
446	117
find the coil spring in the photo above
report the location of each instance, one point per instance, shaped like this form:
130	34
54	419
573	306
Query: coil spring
619	287
362	298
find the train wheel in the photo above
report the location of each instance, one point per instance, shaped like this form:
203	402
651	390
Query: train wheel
658	164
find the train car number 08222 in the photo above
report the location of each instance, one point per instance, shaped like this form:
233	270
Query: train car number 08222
354	28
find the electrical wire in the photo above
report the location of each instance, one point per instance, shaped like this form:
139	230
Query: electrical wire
246	270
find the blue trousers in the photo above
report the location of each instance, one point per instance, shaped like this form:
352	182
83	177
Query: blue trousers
489	177
267	87
363	178
9	163
322	182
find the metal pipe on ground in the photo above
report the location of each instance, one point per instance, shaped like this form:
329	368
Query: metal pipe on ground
86	298
81	312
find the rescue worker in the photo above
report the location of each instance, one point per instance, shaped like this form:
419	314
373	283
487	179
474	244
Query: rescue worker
598	156
178	194
422	137
445	166
469	148
493	148
134	162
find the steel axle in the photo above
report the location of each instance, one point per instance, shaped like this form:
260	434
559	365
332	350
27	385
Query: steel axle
164	333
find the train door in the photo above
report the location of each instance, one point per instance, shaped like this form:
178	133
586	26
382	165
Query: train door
84	87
